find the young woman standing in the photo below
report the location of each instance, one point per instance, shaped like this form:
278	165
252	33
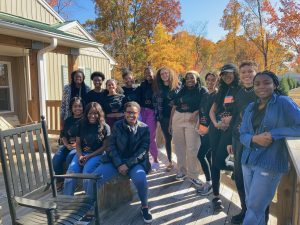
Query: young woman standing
165	87
204	153
96	95
219	131
265	125
148	114
184	125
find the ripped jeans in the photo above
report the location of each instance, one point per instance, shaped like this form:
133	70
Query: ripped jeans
260	187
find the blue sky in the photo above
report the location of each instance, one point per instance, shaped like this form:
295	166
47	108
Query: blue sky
193	12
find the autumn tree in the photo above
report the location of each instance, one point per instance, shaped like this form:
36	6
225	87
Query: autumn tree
231	22
286	21
125	25
60	6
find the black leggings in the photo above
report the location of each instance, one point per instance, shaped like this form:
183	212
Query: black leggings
204	156
164	124
218	142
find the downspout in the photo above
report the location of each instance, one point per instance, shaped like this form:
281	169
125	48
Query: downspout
42	75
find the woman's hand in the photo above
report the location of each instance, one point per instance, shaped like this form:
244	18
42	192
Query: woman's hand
229	149
193	118
123	169
263	139
82	160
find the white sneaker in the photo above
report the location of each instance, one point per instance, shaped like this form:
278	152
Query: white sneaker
196	182
205	190
154	166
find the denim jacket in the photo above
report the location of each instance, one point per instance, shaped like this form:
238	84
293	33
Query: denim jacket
282	119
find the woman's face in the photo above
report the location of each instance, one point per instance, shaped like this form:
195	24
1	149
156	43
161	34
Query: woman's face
78	78
263	86
77	109
148	75
165	75
93	115
131	115
211	81
190	80
128	80
97	81
111	86
247	74
227	77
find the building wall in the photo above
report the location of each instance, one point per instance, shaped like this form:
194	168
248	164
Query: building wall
29	9
57	67
77	32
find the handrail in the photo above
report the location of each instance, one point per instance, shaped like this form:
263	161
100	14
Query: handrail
53	116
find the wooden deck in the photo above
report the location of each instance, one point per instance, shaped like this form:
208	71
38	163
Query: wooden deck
171	202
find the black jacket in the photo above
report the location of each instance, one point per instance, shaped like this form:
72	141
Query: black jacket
130	145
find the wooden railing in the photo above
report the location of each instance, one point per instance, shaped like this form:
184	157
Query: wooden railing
53	116
288	193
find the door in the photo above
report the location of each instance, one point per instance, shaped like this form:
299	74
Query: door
6	92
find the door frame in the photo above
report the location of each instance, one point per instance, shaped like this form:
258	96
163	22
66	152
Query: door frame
10	85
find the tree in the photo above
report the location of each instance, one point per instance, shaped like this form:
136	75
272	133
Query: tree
231	22
125	25
286	23
284	86
60	6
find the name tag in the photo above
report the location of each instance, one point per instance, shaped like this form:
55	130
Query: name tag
228	99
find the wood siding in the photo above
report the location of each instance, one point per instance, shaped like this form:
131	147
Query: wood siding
56	61
29	9
76	31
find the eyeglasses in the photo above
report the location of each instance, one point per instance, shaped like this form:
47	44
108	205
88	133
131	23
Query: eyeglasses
131	112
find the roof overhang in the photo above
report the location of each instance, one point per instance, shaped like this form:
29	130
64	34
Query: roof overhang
18	30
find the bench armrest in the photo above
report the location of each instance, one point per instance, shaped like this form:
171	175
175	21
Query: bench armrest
35	204
80	176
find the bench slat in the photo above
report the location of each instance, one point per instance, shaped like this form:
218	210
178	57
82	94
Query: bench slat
41	154
34	161
12	167
24	188
27	161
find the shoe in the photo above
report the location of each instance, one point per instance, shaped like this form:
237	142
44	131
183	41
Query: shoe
205	189
196	182
217	204
180	176
238	219
155	166
147	216
169	167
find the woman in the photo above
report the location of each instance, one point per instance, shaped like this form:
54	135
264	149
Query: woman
184	125
129	151
91	141
265	125
113	102
96	95
77	88
204	153
148	114
131	92
165	86
244	97
67	151
219	132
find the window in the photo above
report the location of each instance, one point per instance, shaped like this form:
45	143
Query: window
6	98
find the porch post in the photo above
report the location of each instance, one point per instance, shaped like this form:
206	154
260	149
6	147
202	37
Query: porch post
73	61
33	104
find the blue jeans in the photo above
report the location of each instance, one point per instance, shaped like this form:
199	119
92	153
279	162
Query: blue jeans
136	173
89	167
260	186
63	155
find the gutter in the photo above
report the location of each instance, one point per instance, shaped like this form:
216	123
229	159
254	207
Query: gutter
42	75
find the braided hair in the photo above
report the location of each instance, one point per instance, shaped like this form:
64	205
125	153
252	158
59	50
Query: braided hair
274	78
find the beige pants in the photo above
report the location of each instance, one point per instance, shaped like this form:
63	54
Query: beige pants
186	143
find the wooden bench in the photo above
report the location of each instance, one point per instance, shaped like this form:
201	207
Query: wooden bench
115	192
29	176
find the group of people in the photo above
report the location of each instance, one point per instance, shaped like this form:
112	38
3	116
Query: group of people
239	112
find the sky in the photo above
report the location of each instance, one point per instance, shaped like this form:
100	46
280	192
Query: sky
193	12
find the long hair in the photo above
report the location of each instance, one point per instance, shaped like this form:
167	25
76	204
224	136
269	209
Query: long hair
101	118
158	82
73	84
